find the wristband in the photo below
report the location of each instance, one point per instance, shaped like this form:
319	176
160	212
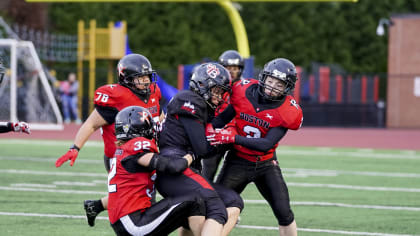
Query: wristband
75	147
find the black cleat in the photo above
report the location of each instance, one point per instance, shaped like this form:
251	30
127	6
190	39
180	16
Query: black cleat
90	212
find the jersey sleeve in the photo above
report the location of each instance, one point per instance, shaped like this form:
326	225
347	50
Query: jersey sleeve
294	117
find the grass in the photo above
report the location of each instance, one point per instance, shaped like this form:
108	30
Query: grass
333	191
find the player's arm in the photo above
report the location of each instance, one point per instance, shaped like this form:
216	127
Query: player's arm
197	136
14	126
145	162
274	135
223	118
93	123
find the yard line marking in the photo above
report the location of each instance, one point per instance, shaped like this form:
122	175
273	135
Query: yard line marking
348	154
90	143
324	231
34	172
335	204
400	208
34	185
354	187
41	159
312	185
322	172
237	226
72	191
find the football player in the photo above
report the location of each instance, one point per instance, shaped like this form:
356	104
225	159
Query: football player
184	131
136	87
234	63
11	126
131	181
263	112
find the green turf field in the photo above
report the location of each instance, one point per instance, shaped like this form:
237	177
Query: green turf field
333	191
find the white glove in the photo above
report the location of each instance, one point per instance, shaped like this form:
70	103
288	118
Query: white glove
21	127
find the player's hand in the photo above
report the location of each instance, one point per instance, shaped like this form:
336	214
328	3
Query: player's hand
21	127
71	155
222	136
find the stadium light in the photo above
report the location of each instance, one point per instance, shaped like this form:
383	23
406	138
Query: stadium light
380	30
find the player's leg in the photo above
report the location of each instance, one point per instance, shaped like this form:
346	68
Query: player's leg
164	217
94	207
235	173
271	185
234	205
188	182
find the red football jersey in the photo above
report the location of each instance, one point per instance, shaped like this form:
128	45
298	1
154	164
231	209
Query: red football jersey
129	192
254	121
120	97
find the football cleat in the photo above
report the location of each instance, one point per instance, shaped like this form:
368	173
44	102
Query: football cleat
90	212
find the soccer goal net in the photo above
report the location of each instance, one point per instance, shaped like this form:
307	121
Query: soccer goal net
25	93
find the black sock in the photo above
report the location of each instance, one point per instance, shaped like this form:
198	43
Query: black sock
98	206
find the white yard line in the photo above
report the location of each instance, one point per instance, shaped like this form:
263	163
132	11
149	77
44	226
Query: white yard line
295	184
238	226
354	187
397	155
35	188
48	159
63	143
324	172
54	173
335	204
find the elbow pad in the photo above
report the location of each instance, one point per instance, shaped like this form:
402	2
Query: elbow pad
168	165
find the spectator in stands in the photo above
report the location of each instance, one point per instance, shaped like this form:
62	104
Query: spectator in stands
68	90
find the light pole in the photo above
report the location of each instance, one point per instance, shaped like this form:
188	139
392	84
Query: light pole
380	30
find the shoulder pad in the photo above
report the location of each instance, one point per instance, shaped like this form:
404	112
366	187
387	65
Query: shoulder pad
139	145
295	117
109	95
187	103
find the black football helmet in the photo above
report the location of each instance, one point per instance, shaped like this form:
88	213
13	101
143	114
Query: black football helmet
132	66
134	121
2	71
208	75
232	58
281	69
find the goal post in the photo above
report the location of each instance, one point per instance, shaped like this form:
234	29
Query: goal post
25	93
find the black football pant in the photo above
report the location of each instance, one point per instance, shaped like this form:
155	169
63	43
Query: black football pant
162	218
237	173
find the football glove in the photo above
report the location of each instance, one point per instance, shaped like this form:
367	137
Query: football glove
21	127
222	136
71	155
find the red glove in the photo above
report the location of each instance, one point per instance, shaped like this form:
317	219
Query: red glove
71	155
21	127
222	136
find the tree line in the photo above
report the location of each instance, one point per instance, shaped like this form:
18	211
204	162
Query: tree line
169	34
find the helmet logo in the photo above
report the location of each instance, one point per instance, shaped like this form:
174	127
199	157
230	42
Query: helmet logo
212	71
143	117
126	127
121	69
145	68
233	61
279	74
